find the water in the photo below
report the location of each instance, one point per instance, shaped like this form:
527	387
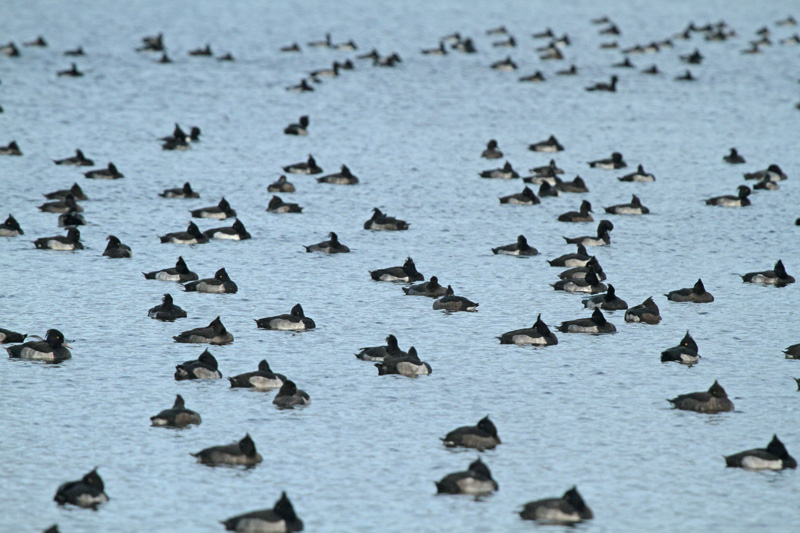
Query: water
363	457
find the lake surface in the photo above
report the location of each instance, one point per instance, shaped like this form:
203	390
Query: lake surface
590	412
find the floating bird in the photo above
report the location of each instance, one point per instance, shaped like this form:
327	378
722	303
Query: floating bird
61	243
697	294
204	367
492	151
220	283
307	167
685	353
646	312
578	216
382	222
549	145
289	396
614	162
177	417
449	302
431	289
610	87
214	333
332	246
379	353
277	205
740	200
343	177
52	349
519	248
734	158
109	173
773	457
596	324
715	400
281	185
192	235
526	197
777	276
296	320
237	232
639	176
240	453
62	194
300	128
87	492
11	337
262	379
180	273
407	273
221	211
116	250
567	510
11	148
603	237
78	160
476	481
538	335
166	310
608	301
635	207
507	172
281	518
482	436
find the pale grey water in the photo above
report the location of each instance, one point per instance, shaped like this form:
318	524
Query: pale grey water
363	457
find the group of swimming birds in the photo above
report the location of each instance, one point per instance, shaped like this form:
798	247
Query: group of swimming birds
584	275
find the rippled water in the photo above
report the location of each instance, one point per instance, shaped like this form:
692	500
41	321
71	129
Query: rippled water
363	457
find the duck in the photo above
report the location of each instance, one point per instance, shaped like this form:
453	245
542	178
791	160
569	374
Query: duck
713	401
602	239
773	457
78	160
577	259
294	47
281	185
289	396
772	172
326	72
571	71
164	60
220	283
379	353
178	135
153	43
347	46
371	55
589	283
404	364
87	492
108	173
792	352
465	45
476	481
116	250
277	205
382	222
221	211
332	246
38	42
728	200
547	34
204	367
492	151
299	128
482	436
430	288
777	276
180	273
538	335
176	417
685	353
11	337
550	169
614	162
577	185
596	324
62	194
61	206
611	29
695	58
74	52
507	172
181	192
640	176
505	64
608	301
343	177
296	320
581	271
178	143
652	69
71	219
262	379
547	190
226	57
526	197
438	51
633	208
646	312
686	76
536	77
583	215
519	248
71	72
202	52
407	273
696	294
242	453
237	232
281	518
214	333
734	158
626	63
52	349
549	145
449	302
307	167
301	87
551	52
610	87
61	243
766	184
11	148
387	61
192	235
569	509
166	310
326	43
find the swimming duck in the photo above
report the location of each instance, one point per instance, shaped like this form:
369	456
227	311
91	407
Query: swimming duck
343	177
603	236
332	246
505	64
686	76
180	192
685	353
109	173
788	21
792	352
549	170
347	46
602	86
61	243
507	43
492	151
321	44
652	69
581	271
192	235
547	190
596	324
696	294
164	60
577	185
734	158
294	47
221	211
326	72
281	518
611	29
71	218
639	176
282	185
549	145
567	510
236	232
766	184
214	333
507	172
449	302
62	194
773	457
777	276
371	55
578	259
180	273
53	349
633	208
166	310
87	492
772	173
482	436
547	34
116	250
75	52
38	42
153	43
9	50
301	87
476	481
608	301
589	283
71	72
220	283
178	135
78	160
538	334
61	206
406	273
202	52
519	248
611	163
289	396
382	222
715	400
226	57
550	52
626	63
239	453
695	58
379	353
404	364
307	167
8	337
571	71
262	379
277	205
578	216
431	289
526	197
728	200
296	320
11	148
177	417
438	51
536	77
465	45
299	128
646	312
387	61
204	367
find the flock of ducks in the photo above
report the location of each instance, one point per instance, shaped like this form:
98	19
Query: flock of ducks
584	275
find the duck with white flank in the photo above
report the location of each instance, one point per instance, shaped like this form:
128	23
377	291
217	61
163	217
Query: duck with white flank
596	324
538	335
289	396
576	186
180	273
507	172
610	87
482	436
476	481
773	457
549	170
296	320
633	208
640	176
204	367
277	205
379	353
404	364
116	250
192	235
239	453
61	194
176	417
714	400
567	510
221	211
11	337
578	216
87	492
262	379
777	276
307	167
589	283
219	284
383	222
180	192
608	301
108	173
771	173
71	218
431	289
696	294
603	236
214	333
646	312
614	162
343	177
578	259
236	232
78	160
549	145
281	185
299	128
519	248
61	206
406	273
505	64
53	349
61	243
332	246
492	151
685	353
739	200
450	302
166	310
280	519
580	272
526	197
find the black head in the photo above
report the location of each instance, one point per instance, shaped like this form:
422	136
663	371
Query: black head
650	304
573	498
611	293
688	342
603	226
334	238
178	402
391	341
283	508
488	426
282	179
433	283
409	266
507	167
635	201
776	448
479	467
221	275
598	317
541	327
112	168
522	241
780	270
224	205
297	310
208	359
744	191
73	234
640	170
54	338
491	145
181	267
167	300
187	189
717	391
449	291
247	446
345	171
93	480
195	133
11	222
698	287
586	207
263	366
304	121
288	388
616	156
113	241
311	161
239	226
591	277
582	249
274	202
193	230
217	326
544	188
578	182
527	192
775	168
